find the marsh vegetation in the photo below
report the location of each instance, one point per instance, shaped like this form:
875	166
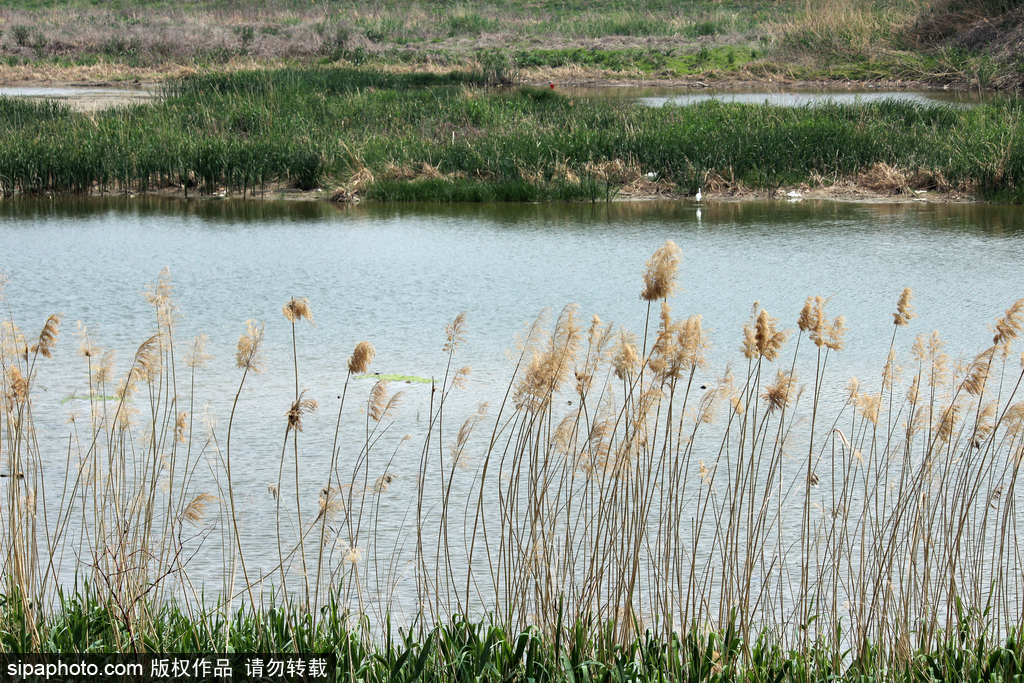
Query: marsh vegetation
750	527
941	42
438	137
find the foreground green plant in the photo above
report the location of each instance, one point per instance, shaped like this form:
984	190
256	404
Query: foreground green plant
462	650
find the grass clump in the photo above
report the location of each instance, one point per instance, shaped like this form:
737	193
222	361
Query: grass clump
434	137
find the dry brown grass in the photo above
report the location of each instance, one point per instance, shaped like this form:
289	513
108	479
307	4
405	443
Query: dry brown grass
893	180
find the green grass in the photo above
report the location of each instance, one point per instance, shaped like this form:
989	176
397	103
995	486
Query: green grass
466	651
812	39
436	137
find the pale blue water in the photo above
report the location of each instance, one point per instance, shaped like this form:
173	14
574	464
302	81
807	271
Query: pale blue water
396	275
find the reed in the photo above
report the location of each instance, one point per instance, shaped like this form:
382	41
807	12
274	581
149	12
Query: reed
651	525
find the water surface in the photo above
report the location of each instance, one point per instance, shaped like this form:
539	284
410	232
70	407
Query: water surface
397	275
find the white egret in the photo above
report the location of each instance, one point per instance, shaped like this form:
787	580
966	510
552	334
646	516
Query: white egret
698	196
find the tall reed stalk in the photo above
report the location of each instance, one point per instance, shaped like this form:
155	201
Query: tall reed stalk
620	485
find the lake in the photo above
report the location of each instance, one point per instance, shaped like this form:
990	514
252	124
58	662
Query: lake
396	275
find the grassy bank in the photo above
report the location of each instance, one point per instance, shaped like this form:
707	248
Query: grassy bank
942	42
609	515
464	651
439	137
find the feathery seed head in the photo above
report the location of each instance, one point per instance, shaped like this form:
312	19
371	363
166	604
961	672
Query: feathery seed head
984	425
869	405
330	504
250	344
1008	327
17	384
145	367
383	482
181	427
913	393
353	555
360	360
299	408
693	343
196	356
147	358
977	373
904	310
454	333
761	337
891	371
852	390
13	341
379	405
947	424
583	382
822	332
461	378
806	321
662	357
550	368
660	272
780	394
1013	420
85	347
104	370
459	459
48	336
928	350
196	510
626	360
297	309
159	295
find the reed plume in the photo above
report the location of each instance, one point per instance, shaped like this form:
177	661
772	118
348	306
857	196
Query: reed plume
780	394
196	355
17	385
904	310
761	336
48	336
660	272
821	331
299	408
379	405
1008	327
548	369
297	309
250	345
455	333
359	362
196	510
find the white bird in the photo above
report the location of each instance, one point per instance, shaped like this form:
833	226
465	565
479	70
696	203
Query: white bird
698	196
652	175
793	194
